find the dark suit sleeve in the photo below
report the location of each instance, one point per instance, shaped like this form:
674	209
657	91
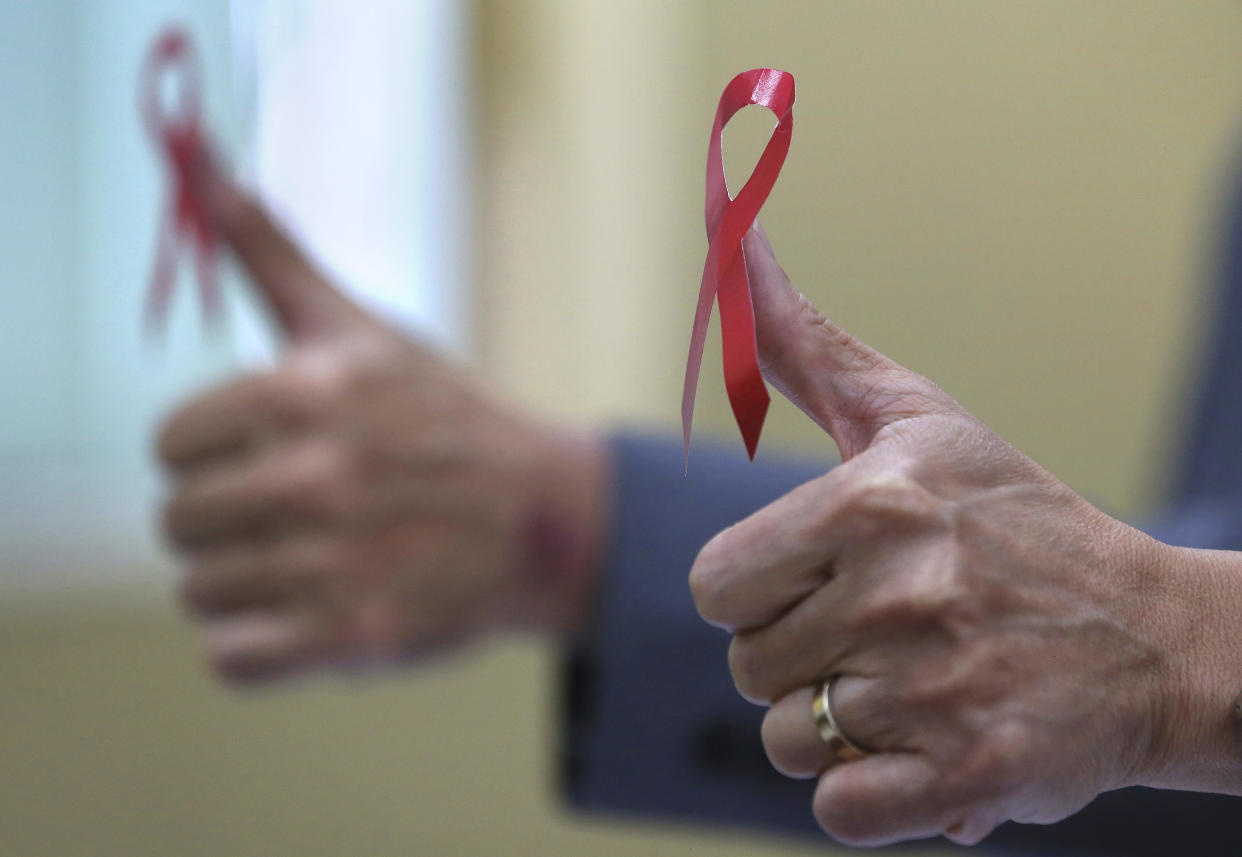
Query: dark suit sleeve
654	725
654	728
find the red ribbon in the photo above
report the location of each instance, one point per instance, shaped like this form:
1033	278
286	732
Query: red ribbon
724	273
179	135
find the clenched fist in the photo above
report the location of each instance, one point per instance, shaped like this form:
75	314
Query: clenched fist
997	647
365	501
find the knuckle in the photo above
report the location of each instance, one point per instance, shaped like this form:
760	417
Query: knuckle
970	831
709	580
313	565
749	671
704	588
323	480
375	627
356	369
930	593
999	755
781	751
333	374
214	581
987	769
883	498
843	814
290	394
175	520
936	592
309	560
229	664
168	438
193	593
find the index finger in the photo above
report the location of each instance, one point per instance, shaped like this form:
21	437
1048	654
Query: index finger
755	571
228	419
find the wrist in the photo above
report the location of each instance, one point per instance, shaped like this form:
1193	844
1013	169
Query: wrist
1201	746
564	535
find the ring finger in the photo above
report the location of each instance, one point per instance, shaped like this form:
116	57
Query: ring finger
792	737
244	576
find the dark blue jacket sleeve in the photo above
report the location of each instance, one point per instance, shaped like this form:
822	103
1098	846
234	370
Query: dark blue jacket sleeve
654	728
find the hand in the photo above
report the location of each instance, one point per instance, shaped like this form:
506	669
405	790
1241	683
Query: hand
1003	649
365	501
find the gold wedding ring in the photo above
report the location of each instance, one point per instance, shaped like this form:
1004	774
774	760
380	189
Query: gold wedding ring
844	749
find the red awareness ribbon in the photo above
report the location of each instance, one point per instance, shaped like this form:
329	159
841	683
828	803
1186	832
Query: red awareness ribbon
724	273
179	135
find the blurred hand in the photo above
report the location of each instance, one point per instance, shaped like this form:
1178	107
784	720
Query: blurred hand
365	501
1003	649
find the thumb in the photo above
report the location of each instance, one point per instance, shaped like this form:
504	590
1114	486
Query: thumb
305	304
851	390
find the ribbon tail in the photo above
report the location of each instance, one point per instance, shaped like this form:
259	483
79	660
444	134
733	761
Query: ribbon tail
748	394
725	278
698	337
163	272
209	294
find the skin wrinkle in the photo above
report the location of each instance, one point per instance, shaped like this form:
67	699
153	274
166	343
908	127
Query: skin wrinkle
365	502
1002	646
1005	648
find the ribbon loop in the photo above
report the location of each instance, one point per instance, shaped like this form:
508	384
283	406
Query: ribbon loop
178	132
724	272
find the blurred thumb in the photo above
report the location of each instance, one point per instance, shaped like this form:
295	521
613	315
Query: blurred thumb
304	303
851	390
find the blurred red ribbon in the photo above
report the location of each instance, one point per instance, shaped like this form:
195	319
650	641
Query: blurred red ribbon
179	134
724	273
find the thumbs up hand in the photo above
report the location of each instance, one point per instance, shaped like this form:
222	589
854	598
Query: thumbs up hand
365	501
997	647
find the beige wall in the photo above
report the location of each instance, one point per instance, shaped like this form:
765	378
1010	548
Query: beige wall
1015	198
1012	198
